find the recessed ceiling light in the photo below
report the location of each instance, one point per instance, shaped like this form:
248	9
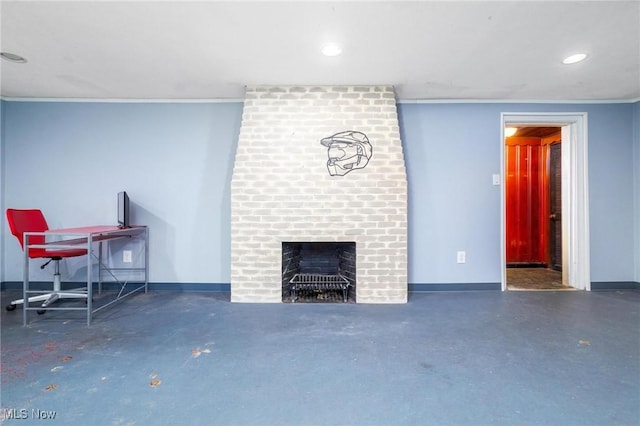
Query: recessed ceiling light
331	49
13	57
573	59
510	131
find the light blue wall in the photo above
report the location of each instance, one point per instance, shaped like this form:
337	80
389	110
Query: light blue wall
175	160
3	226
636	161
451	153
452	150
611	192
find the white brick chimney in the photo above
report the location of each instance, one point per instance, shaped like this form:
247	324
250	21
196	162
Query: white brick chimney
283	188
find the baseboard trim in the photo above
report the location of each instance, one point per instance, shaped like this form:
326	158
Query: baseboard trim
38	285
226	287
419	287
175	287
615	285
186	287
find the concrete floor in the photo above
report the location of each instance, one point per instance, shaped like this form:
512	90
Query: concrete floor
445	358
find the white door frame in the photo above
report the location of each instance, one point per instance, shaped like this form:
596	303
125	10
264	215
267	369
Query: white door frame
575	192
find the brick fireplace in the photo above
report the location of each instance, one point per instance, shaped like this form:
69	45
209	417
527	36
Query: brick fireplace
319	164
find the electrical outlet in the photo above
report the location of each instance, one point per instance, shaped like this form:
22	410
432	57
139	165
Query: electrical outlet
462	257
126	256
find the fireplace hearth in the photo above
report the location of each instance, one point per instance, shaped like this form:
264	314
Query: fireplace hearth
318	272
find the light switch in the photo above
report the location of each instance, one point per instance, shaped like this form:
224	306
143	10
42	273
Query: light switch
496	179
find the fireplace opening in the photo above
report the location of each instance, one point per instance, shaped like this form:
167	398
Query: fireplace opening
319	272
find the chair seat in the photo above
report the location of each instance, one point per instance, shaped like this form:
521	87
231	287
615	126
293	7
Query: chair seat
53	254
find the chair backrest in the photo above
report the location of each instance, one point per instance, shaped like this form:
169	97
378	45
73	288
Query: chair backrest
27	220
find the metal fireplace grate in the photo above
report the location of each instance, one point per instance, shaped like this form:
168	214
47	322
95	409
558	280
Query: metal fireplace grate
319	283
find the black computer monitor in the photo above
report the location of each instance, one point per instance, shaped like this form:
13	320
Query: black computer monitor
123	209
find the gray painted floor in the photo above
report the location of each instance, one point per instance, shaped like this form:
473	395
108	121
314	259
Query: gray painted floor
445	358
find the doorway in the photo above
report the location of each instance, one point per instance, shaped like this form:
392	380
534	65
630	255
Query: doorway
571	226
534	208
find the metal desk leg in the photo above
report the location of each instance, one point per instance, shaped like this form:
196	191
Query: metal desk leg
146	259
25	281
89	282
100	268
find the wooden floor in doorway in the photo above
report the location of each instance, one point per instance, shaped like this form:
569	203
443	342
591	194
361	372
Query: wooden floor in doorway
535	279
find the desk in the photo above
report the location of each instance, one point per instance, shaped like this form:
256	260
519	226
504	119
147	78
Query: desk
86	237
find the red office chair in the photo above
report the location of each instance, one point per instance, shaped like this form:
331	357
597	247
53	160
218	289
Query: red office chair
32	220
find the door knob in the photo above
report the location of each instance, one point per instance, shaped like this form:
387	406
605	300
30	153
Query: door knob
552	216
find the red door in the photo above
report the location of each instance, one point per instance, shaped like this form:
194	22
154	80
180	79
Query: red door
526	223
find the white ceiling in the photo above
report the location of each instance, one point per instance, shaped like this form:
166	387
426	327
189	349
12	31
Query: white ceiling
503	50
